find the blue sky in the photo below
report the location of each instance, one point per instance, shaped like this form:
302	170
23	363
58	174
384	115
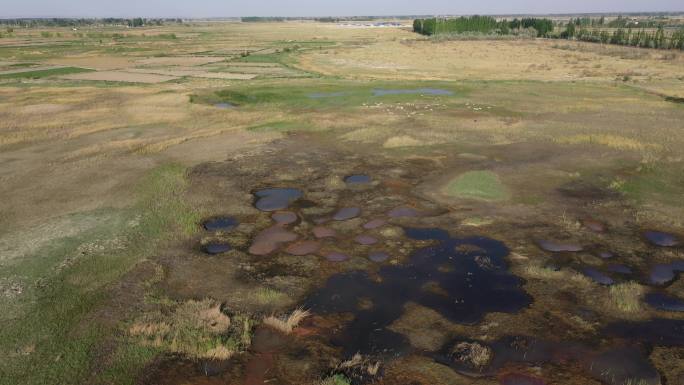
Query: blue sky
227	8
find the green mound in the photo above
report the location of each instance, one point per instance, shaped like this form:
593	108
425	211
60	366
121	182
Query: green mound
484	185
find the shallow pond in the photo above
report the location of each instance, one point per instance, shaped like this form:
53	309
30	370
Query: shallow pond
274	199
411	91
662	239
663	274
347	213
476	283
216	248
598	277
225	105
357	179
221	224
664	302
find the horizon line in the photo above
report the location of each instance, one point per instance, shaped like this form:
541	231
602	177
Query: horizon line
618	13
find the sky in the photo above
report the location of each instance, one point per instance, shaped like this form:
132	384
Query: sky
232	8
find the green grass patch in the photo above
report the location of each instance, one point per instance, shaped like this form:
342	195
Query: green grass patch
282	126
662	183
38	74
51	340
330	95
337	379
483	185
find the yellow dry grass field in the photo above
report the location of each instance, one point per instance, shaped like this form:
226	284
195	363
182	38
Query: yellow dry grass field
409	57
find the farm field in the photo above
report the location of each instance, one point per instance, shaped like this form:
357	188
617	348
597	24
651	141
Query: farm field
318	203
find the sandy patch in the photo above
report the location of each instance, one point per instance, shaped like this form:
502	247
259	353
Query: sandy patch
120	76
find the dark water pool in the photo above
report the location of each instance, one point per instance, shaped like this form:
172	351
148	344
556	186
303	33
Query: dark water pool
411	91
274	199
662	239
665	302
598	276
614	366
663	274
357	179
216	248
347	213
476	283
221	224
658	331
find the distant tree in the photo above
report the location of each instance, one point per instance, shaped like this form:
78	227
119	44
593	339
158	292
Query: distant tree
570	31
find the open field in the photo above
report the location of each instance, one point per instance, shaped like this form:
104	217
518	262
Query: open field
497	225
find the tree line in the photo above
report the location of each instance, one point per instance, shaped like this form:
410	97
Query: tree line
642	38
583	29
482	24
66	22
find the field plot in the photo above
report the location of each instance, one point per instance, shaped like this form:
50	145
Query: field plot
121	76
315	203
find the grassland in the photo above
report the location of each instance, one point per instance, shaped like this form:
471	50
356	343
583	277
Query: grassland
97	172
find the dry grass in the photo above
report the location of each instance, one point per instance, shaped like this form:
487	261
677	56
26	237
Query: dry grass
287	324
613	141
402	141
626	297
564	277
410	58
195	329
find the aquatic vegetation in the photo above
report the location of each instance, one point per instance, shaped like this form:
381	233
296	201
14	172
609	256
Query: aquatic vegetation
472	354
197	329
336	379
288	323
626	297
267	296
